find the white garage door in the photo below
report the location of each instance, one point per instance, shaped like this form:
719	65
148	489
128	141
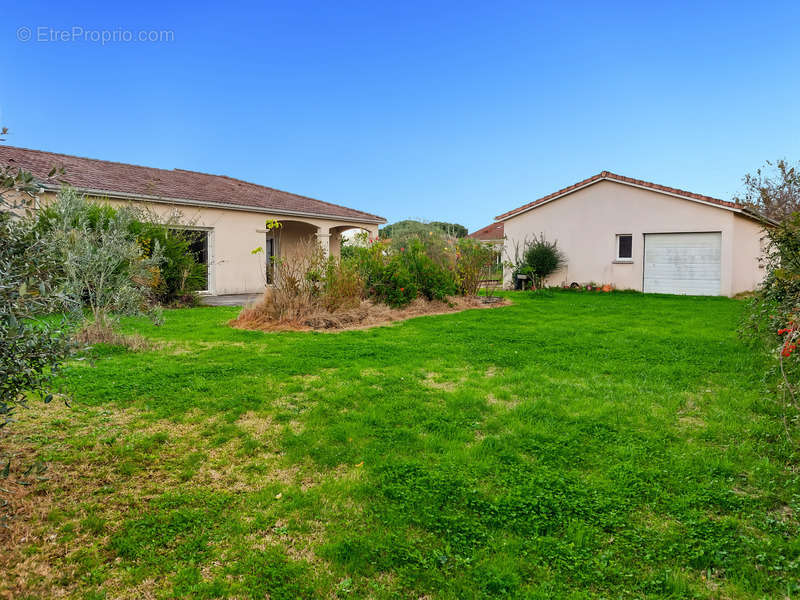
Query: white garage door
682	263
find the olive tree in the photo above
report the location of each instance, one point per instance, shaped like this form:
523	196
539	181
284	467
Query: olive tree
33	345
773	190
106	267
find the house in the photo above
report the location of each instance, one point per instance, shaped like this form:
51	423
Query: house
642	236
229	215
491	234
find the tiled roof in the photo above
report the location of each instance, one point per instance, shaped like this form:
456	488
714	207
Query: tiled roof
608	176
490	232
178	184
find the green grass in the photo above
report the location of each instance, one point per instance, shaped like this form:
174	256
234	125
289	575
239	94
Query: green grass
568	446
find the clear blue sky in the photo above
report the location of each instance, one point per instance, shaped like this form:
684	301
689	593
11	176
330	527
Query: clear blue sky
452	111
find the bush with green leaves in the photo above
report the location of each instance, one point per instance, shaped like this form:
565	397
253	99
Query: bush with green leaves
773	318
475	262
435	278
398	276
32	346
538	260
105	265
180	275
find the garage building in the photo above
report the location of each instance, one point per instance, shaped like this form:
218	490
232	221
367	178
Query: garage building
642	236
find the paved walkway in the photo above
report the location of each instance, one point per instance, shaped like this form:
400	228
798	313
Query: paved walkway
230	299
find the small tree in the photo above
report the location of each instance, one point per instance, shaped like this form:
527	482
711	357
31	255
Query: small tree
540	259
473	260
105	266
773	191
32	349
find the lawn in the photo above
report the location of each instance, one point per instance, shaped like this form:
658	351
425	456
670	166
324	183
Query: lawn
568	446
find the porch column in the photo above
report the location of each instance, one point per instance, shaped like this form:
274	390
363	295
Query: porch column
324	238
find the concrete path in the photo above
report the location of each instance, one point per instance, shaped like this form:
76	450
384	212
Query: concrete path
229	299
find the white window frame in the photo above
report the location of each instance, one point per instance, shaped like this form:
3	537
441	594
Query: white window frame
618	258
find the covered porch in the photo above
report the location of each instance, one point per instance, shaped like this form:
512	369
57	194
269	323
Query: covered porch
287	237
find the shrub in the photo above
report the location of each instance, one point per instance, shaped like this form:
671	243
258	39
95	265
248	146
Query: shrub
433	278
540	259
105	266
474	263
426	267
396	277
342	285
181	276
32	348
773	318
295	277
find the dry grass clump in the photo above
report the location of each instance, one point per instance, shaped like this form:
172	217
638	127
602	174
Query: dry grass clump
312	291
101	332
367	314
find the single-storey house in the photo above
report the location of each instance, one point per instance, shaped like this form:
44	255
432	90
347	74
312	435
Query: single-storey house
491	234
228	214
642	236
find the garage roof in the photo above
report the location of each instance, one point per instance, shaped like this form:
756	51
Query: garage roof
609	176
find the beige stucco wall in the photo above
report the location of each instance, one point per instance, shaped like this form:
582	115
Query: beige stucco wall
234	234
749	242
585	224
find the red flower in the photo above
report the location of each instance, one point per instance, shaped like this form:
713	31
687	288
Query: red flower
402	249
402	289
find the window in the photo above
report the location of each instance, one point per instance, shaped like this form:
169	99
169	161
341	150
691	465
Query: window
199	242
625	247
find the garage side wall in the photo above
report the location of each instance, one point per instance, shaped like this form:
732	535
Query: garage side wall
749	242
586	222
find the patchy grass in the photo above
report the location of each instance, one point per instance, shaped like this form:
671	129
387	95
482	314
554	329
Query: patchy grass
569	445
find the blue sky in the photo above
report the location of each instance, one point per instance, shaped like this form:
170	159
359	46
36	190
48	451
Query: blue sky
453	111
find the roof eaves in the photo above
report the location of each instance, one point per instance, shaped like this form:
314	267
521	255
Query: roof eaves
222	205
609	176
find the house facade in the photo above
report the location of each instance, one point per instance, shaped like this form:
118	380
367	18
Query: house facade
228	215
637	235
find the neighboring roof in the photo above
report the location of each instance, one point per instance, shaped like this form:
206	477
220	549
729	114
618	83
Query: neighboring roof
609	176
106	178
490	232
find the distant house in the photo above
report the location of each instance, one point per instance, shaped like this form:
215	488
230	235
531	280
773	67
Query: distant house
492	234
638	235
229	215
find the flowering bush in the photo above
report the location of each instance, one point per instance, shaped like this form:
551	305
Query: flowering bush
474	263
773	318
